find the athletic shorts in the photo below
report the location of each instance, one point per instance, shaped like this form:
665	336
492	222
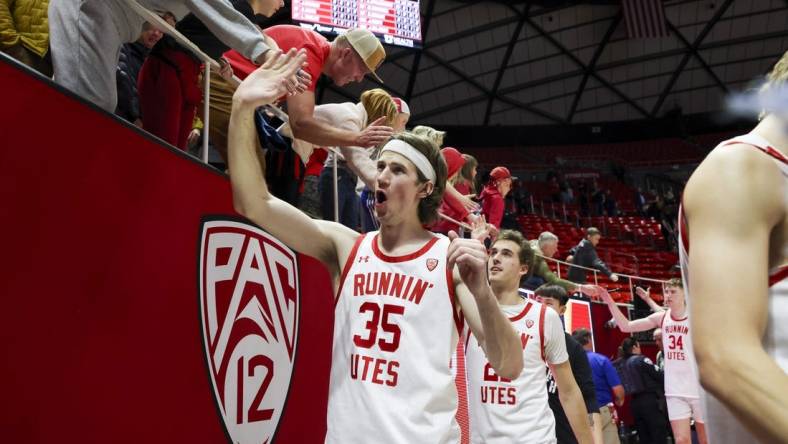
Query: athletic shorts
680	407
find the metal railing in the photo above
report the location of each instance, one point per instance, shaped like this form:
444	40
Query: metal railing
628	277
154	19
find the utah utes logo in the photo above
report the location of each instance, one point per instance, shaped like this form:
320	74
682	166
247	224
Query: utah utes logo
529	323
249	302
431	264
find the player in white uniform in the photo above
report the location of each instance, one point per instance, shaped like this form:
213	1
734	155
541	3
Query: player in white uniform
515	410
682	390
734	212
402	292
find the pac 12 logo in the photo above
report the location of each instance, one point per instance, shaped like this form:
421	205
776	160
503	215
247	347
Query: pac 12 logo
249	301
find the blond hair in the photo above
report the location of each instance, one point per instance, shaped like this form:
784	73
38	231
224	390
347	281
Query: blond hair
378	103
776	79
430	133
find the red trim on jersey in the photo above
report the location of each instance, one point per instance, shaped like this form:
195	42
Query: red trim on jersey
677	320
517	317
541	331
408	257
768	150
782	273
346	269
458	317
662	322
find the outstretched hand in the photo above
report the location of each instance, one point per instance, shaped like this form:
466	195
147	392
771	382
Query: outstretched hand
481	230
469	204
597	291
644	294
376	133
276	77
470	257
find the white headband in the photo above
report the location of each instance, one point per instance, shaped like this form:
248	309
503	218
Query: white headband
420	160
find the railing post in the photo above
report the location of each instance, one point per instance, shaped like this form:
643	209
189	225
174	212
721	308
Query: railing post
631	290
336	187
558	269
206	110
563	206
596	278
532	204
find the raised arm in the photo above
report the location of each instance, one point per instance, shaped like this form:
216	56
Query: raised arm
230	27
305	126
646	296
732	214
488	323
250	194
623	323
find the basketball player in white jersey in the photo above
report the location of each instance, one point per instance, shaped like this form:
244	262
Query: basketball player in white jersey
402	293
515	410
734	257
682	390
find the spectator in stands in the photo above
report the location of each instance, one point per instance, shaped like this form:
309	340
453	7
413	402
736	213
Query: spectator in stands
556	298
348	58
567	195
132	56
24	33
309	193
598	200
375	108
403	115
640	202
521	195
451	208
169	81
611	207
609	390
465	182
546	246
582	200
584	254
492	196
643	381
86	38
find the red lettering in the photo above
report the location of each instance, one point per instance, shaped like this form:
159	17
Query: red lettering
418	291
358	285
407	288
374	370
524	339
367	360
396	285
392	382
372	285
491	376
484	394
379	363
383	286
512	394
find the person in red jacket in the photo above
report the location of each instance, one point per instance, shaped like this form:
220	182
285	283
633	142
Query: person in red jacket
493	195
450	207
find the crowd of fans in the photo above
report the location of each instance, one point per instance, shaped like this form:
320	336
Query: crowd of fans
149	79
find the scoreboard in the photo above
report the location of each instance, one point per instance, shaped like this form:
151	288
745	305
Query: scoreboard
395	22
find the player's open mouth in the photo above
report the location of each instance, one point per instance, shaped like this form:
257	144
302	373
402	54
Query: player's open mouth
380	197
495	269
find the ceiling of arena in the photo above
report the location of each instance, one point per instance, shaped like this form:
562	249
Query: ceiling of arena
566	62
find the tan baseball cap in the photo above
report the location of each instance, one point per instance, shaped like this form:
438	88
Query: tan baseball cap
368	47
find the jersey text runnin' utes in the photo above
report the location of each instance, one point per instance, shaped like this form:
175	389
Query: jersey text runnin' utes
395	329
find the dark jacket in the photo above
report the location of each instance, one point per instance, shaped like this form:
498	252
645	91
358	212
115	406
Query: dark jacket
132	56
640	375
585	256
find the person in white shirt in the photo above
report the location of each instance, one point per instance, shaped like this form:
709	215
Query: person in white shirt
515	410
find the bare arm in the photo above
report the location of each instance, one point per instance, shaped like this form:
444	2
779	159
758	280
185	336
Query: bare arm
623	323
360	164
572	401
250	194
618	395
732	213
488	323
301	109
644	294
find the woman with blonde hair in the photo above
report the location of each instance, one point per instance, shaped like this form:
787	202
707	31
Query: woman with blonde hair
376	106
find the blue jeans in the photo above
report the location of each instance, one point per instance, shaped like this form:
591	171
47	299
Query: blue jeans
348	201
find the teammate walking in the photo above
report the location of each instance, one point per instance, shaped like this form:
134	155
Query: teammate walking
515	410
682	390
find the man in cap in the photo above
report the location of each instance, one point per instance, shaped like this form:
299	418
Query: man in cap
348	58
493	195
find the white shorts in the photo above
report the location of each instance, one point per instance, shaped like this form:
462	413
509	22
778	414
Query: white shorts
680	407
